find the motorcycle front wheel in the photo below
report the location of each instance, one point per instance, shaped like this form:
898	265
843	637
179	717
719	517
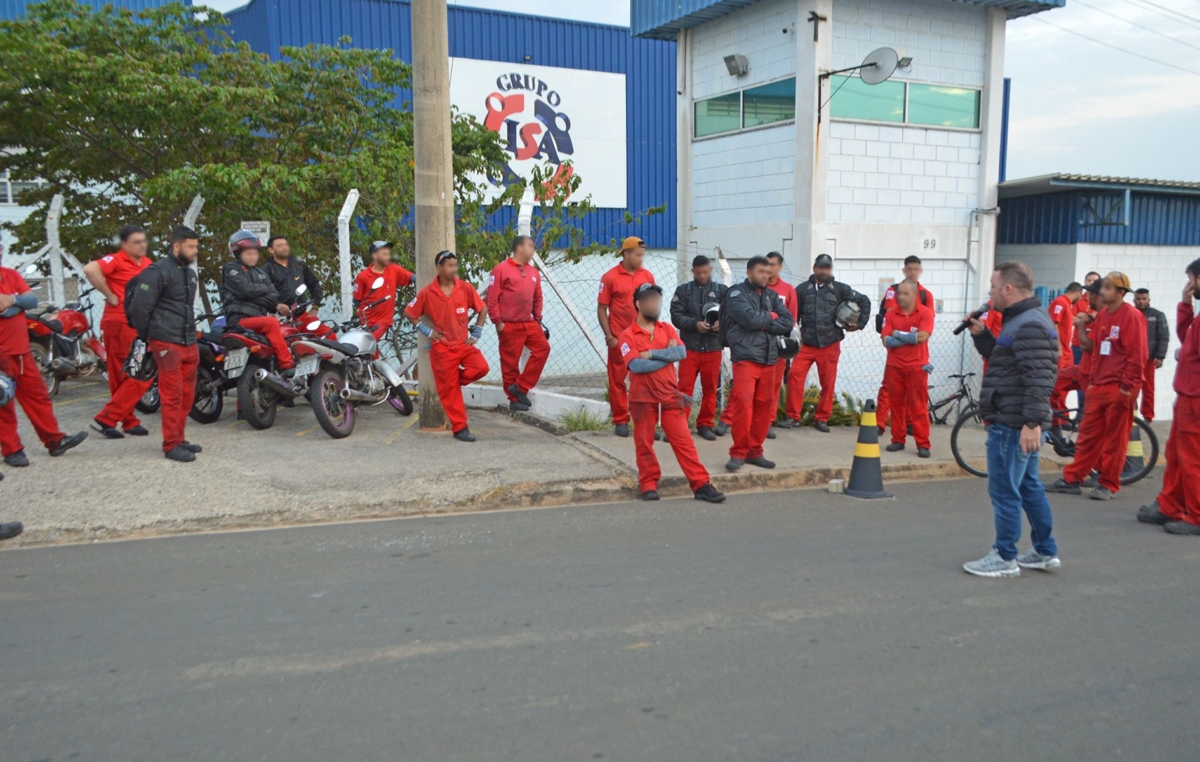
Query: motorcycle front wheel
150	401
210	397
336	415
42	356
256	402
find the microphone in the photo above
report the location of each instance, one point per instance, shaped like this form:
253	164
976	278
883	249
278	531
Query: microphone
973	316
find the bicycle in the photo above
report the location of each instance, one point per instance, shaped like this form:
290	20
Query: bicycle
954	404
968	443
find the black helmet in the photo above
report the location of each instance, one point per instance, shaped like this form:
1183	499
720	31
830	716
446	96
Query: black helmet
241	241
8	389
788	347
848	314
712	312
140	364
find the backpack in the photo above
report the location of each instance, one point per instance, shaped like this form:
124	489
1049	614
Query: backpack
132	290
882	312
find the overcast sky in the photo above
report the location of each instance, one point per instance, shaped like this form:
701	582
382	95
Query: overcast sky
1077	105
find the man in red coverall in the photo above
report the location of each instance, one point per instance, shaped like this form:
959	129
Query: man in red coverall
18	362
1074	378
651	348
615	312
912	271
378	304
1062	313
1177	508
1118	347
906	330
514	304
109	275
447	303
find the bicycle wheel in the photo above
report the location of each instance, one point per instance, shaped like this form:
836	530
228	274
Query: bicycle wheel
968	442
1142	456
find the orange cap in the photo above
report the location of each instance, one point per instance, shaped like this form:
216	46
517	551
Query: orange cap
632	242
1118	280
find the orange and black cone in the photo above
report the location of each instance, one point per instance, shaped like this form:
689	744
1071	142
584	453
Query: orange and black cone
1134	458
866	475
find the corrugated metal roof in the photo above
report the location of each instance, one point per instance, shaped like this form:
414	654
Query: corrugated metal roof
648	65
1065	183
11	9
1155	218
664	19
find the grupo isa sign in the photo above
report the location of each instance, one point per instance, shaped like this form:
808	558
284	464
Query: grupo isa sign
545	114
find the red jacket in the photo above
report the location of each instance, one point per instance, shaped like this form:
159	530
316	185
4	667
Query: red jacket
1062	312
514	293
1187	371
1119	355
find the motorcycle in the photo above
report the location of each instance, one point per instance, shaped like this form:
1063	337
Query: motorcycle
212	379
62	341
348	373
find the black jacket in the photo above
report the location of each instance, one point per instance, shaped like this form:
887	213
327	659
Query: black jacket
687	309
285	280
1022	366
747	327
165	308
246	292
818	307
1158	333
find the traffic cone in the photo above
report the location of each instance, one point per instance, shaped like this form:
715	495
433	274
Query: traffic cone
866	475
1134	460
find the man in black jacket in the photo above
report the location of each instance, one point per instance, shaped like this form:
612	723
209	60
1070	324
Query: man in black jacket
752	318
820	339
161	311
702	340
249	297
287	272
1158	340
1015	402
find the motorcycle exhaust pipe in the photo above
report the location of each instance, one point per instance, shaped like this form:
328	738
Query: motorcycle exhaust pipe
62	367
275	383
353	395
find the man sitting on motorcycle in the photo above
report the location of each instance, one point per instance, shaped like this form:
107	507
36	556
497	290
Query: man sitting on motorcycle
249	297
378	305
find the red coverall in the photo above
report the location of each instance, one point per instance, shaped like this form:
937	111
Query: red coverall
1081	307
1118	361
616	292
379	319
907	381
655	398
1180	496
514	298
269	327
455	362
177	366
826	360
753	403
882	401
118	269
1062	313
706	365
17	361
787	293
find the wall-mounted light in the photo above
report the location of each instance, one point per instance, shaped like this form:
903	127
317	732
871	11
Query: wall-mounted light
737	64
527	58
904	63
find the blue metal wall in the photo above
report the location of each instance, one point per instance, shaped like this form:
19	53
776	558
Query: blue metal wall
648	65
1154	220
11	9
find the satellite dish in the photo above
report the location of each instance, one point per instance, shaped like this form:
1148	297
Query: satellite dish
879	66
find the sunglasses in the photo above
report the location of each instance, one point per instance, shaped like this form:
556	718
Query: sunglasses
442	256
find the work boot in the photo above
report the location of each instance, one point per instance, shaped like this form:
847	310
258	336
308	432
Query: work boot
761	462
1092	482
771	433
706	433
517	407
650	494
180	454
1035	560
721	429
1102	493
922	452
137	431
1151	514
1182	528
515	391
108	432
621	429
895	447
1064	487
68	443
786	423
709	494
17	459
11	530
734	464
992	565
822	427
464	435
192	448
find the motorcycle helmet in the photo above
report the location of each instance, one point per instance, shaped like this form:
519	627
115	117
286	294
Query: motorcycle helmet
140	364
712	312
241	241
788	347
848	314
8	389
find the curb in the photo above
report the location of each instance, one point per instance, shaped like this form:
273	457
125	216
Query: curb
538	422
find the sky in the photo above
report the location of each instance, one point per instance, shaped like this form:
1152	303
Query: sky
1078	104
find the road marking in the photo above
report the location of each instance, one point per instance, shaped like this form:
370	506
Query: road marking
235	423
306	432
407	425
82	399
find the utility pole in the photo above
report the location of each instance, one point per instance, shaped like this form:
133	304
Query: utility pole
434	172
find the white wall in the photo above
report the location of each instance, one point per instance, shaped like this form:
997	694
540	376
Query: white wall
1053	265
755	32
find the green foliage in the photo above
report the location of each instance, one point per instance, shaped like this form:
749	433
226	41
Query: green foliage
847	411
581	419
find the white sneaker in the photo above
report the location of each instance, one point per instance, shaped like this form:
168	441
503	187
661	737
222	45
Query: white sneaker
992	565
1035	560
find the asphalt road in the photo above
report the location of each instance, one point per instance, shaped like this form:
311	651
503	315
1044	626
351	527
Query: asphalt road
786	626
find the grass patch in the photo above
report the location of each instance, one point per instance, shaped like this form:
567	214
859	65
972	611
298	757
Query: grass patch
582	419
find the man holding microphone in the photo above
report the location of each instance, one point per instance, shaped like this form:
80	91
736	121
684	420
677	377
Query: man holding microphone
1015	403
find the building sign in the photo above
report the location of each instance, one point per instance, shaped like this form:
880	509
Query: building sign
260	228
544	114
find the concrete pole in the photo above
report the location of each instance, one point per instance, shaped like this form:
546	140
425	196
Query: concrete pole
189	221
434	171
343	228
58	290
990	113
683	155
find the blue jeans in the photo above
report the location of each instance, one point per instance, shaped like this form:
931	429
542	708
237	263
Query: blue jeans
1077	354
1015	485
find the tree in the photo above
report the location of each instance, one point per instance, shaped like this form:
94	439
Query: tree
129	115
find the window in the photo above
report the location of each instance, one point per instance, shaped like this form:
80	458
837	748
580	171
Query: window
905	102
6	197
10	190
775	102
752	107
943	105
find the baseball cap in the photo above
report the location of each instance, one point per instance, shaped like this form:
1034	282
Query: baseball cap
377	245
1119	280
1093	288
644	288
632	242
823	260
442	256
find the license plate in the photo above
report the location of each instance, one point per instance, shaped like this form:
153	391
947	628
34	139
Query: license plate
235	362
307	366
